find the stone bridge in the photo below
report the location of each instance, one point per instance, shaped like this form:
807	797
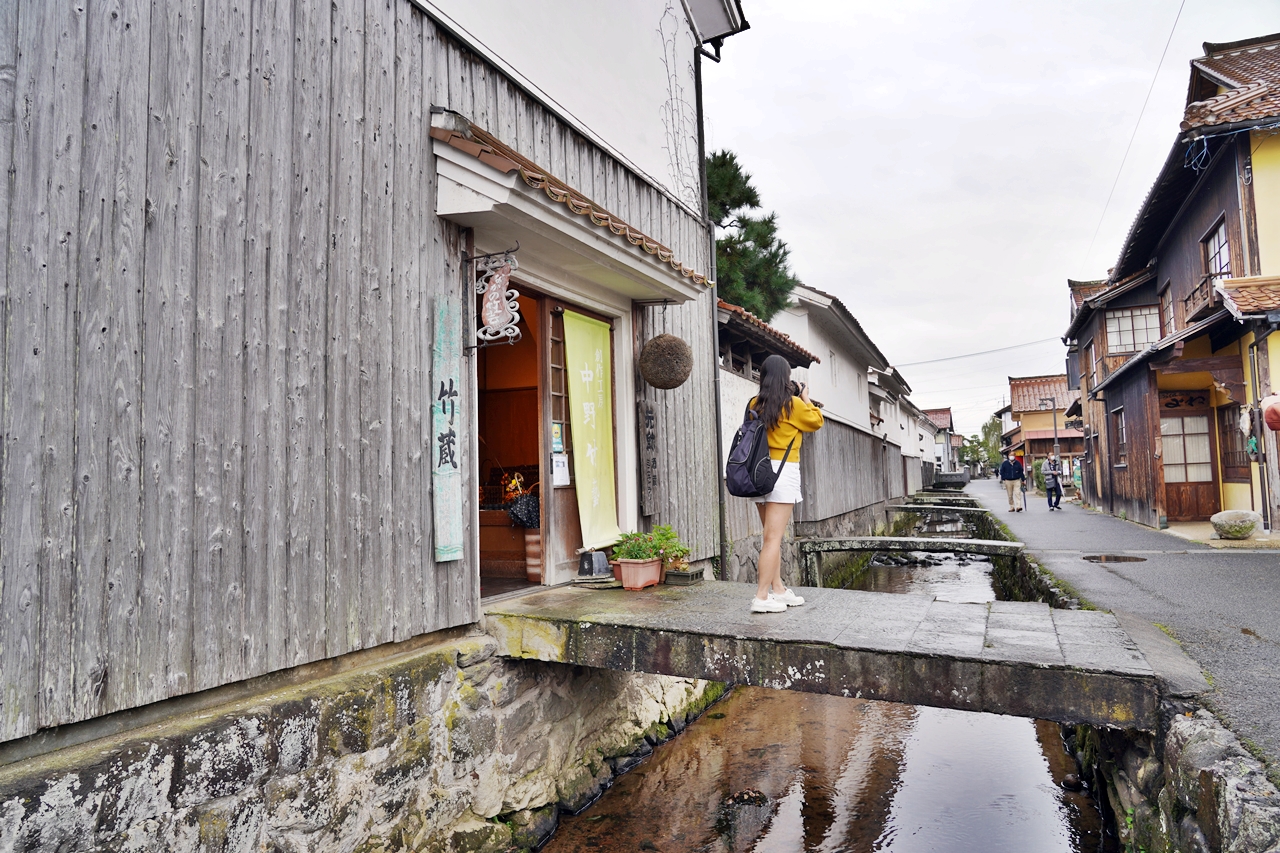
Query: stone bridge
1024	659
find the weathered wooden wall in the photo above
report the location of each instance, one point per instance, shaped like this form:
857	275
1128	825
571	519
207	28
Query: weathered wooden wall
843	469
1132	483
221	266
689	471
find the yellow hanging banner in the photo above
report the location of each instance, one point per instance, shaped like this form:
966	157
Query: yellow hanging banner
587	357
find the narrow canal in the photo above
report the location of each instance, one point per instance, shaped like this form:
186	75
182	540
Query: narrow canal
772	771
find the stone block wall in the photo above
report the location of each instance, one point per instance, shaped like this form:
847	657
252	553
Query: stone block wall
446	748
1194	789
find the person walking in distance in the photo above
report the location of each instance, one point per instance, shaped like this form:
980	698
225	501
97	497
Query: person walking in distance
1051	470
1011	474
787	414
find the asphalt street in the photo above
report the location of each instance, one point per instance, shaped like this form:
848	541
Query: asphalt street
1222	605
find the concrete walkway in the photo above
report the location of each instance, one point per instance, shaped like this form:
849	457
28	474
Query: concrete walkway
1006	657
1222	605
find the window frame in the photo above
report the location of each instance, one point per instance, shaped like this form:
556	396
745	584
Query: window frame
1216	244
1119	438
1168	319
1115	345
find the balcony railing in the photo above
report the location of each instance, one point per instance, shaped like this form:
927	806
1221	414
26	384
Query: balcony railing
1202	299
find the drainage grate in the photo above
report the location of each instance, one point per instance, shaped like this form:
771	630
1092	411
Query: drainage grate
1114	558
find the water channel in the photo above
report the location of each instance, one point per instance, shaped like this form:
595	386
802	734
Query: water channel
772	771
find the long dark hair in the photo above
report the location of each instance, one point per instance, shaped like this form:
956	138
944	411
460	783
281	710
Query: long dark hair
774	400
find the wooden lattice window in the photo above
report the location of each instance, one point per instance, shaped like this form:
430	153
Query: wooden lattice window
1217	253
1131	329
560	387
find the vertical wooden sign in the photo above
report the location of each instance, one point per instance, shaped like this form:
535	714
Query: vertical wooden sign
647	419
446	423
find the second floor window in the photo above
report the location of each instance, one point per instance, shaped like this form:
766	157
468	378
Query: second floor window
1217	253
1117	434
1166	309
1131	329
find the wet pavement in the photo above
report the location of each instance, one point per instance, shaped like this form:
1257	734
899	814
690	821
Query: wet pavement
1223	606
1008	657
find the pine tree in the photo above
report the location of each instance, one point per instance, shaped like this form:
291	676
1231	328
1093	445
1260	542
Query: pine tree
751	262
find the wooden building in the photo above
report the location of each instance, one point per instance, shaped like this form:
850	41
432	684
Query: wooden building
1170	368
246	423
1038	408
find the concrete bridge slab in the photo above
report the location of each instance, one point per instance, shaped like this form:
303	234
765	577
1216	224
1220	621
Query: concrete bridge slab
1016	658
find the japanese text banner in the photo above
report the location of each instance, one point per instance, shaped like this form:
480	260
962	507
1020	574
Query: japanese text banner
586	344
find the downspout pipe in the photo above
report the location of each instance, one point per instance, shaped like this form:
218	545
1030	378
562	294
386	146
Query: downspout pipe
722	570
1258	434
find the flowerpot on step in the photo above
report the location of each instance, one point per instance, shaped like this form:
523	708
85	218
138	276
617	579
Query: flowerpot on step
638	574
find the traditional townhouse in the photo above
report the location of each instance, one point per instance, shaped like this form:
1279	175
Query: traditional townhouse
1038	406
298	297
947	441
1173	353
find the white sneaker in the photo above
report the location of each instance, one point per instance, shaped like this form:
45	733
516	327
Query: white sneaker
767	605
788	598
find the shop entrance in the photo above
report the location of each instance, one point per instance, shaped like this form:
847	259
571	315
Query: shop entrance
510	392
529	522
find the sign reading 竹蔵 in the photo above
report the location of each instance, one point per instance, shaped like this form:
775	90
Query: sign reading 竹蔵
445	453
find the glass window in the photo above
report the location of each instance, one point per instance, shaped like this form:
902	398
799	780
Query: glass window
1166	310
1217	254
1131	329
1186	449
1117	432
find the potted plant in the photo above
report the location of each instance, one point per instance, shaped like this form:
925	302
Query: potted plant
675	557
637	561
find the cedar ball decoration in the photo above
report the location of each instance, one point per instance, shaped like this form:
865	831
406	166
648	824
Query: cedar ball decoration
666	362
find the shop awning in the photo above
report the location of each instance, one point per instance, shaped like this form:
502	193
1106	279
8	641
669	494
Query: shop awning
484	185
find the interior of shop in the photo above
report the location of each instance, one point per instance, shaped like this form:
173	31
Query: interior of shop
509	380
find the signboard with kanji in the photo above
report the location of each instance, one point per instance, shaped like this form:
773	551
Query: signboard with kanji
445	452
647	420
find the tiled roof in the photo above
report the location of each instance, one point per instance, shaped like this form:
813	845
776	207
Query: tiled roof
941	417
1082	290
1250	72
1250	296
1025	392
489	150
785	341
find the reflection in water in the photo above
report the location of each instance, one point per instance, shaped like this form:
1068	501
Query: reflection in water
848	775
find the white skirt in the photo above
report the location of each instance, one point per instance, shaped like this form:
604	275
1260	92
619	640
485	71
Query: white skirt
787	489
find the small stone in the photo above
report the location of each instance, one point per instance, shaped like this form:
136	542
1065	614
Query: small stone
1072	782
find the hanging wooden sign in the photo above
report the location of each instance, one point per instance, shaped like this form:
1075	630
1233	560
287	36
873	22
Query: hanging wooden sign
648	457
500	304
446	472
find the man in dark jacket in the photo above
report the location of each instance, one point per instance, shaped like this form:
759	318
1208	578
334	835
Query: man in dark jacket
1011	474
1051	470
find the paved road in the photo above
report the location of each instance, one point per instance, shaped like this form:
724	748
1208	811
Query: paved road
1222	605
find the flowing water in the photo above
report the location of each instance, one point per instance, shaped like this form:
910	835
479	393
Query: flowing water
772	771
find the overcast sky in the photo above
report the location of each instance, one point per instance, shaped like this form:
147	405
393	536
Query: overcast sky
941	167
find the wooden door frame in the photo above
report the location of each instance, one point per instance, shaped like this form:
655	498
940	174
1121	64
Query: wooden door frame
1211	413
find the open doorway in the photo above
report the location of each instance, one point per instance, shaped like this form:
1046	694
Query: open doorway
510	396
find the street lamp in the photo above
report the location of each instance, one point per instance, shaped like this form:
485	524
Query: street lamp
1053	404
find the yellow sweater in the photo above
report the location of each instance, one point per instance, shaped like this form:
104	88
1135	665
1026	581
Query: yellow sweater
804	418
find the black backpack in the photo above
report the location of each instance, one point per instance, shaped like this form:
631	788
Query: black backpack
749	472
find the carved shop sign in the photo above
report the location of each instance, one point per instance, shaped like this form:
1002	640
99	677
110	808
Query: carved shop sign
1184	399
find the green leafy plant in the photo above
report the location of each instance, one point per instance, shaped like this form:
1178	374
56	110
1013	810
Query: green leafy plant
670	548
662	542
635	546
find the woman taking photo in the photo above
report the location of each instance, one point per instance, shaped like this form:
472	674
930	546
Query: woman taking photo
786	412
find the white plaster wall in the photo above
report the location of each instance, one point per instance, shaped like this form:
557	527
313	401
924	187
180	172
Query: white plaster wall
735	392
842	390
621	72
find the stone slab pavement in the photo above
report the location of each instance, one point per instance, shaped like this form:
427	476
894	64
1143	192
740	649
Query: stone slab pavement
1006	657
1223	606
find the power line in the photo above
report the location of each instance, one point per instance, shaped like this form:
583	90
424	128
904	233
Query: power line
1134	135
972	354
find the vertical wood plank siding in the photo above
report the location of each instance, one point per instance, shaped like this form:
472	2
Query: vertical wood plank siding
844	469
221	258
